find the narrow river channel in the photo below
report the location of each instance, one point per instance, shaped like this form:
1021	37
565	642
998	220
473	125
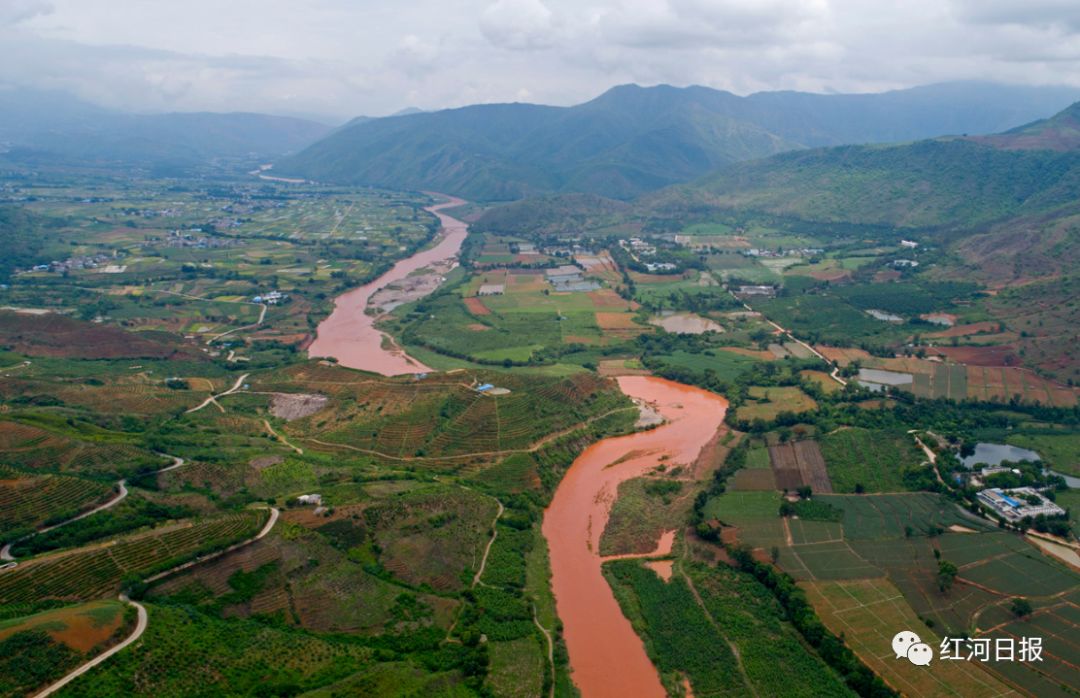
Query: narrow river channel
606	657
349	333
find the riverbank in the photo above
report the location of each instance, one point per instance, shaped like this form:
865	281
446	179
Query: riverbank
607	657
349	334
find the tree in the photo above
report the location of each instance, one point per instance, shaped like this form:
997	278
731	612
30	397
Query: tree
946	575
1021	608
804	492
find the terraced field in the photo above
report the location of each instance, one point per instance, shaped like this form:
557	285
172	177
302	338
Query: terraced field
446	418
27	447
96	571
29	502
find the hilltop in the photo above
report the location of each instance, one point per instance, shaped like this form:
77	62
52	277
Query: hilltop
632	140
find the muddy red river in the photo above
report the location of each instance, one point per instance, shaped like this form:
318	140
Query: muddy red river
349	333
606	657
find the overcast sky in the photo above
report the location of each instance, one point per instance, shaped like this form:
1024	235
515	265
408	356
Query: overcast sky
349	57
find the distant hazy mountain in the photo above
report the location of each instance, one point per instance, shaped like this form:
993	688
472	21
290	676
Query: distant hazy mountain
633	139
58	126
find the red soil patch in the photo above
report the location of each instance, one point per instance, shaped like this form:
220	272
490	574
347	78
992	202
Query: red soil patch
654	278
964	330
606	298
476	306
60	336
83	632
842	355
477	327
762	556
886	275
617	321
1002	355
617	367
752	353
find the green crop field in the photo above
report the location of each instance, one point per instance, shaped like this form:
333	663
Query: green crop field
866	611
875	459
686	637
754	514
768	402
224	657
726	365
830	560
891	515
40	648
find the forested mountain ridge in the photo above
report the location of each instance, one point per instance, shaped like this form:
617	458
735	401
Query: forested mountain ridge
632	140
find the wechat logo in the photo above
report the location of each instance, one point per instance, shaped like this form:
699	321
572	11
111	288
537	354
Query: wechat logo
907	644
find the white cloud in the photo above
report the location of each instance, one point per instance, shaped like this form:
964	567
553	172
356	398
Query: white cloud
348	57
16	11
518	25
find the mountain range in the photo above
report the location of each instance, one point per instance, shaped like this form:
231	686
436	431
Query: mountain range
1007	204
38	125
632	140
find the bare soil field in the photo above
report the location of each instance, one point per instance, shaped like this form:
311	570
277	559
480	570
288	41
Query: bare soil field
798	464
59	336
842	355
476	306
965	330
1002	355
290	406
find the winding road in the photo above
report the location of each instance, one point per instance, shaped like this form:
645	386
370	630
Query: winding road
140	628
9	559
274	514
143	618
491	542
213	398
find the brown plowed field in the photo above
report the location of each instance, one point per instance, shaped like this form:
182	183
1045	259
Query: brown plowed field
476	306
964	330
800	463
842	355
1001	355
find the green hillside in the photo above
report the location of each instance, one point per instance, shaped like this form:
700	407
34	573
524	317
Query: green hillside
924	184
632	140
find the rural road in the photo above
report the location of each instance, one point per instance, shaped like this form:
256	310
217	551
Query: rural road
262	316
274	513
550	650
835	375
140	628
491	542
282	439
143	618
5	552
213	398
